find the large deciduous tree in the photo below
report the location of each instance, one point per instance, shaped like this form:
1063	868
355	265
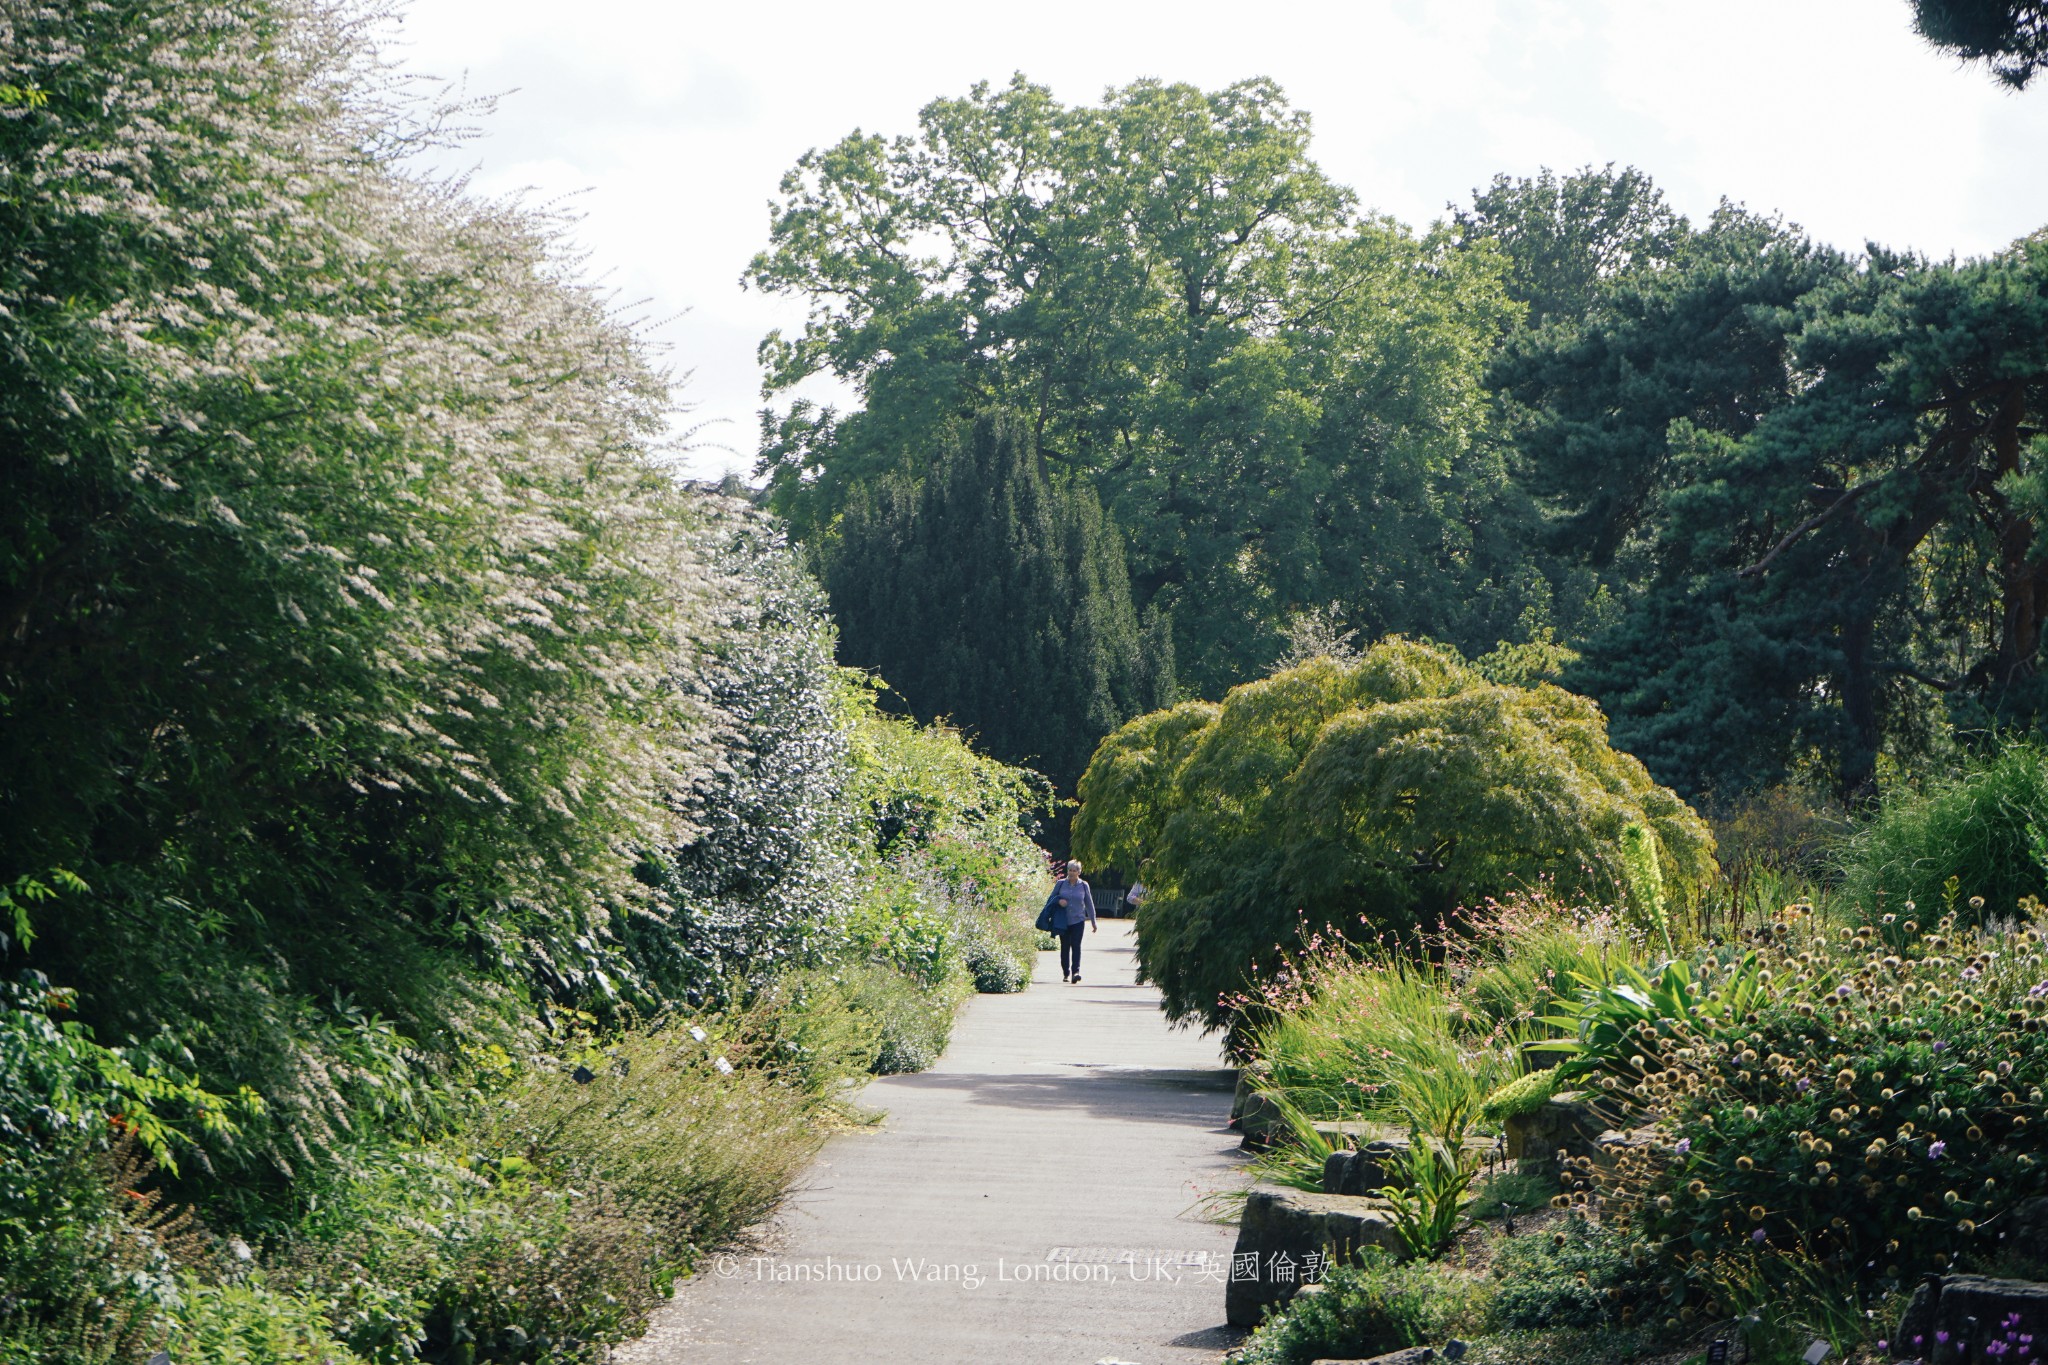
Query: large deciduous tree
999	600
1276	397
1395	789
1567	237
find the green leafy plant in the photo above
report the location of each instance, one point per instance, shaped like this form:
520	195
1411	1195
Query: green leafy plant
1375	1306
1622	1024
1428	1210
1639	864
1578	1275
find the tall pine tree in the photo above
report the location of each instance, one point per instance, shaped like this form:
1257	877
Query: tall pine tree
991	597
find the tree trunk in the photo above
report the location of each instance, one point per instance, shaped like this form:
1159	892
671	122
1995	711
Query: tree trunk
2020	575
1858	764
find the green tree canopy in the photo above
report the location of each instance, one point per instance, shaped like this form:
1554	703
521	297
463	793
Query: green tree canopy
991	597
1276	396
1393	790
1566	238
1701	336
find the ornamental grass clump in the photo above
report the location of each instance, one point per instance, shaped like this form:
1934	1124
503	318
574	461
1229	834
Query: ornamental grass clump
1874	1109
550	1226
1435	1042
1983	830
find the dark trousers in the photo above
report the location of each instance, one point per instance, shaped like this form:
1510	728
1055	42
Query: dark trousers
1070	949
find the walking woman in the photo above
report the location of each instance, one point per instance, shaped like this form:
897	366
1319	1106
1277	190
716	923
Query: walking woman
1073	912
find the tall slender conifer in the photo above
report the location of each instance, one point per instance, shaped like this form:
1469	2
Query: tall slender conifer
992	596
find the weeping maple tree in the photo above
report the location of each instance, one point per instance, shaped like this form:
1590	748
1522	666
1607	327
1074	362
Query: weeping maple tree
1390	790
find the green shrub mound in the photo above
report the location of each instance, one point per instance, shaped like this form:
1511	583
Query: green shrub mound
1376	1306
997	969
1395	789
1582	1276
1573	1293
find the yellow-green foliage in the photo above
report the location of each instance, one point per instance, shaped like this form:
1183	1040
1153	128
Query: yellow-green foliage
1394	789
1525	1094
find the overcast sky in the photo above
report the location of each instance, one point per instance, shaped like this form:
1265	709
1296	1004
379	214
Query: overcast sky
671	123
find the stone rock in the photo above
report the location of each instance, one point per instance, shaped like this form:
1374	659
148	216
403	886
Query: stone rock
1916	1323
1973	1310
1367	1170
1566	1120
1353	1133
2025	1237
1247	1078
1289	1233
1413	1355
1251	1113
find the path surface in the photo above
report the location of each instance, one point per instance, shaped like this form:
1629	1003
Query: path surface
1067	1132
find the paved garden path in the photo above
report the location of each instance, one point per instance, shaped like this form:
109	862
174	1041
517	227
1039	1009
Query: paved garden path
1028	1201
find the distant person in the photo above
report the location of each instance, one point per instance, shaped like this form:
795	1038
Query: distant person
1073	912
1135	897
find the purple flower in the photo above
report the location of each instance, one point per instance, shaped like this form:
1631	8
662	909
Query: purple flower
1683	1146
2040	989
1940	1044
1935	1149
1842	990
1757	1236
1804	1085
1941	1338
1884	1345
1970	973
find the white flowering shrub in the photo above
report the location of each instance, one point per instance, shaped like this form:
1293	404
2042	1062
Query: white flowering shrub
343	602
768	878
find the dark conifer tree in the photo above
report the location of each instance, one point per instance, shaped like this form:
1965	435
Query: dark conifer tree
2008	36
991	597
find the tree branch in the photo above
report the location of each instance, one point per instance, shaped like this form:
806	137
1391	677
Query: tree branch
1907	671
1813	522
